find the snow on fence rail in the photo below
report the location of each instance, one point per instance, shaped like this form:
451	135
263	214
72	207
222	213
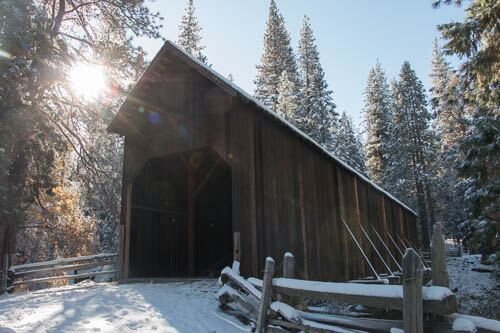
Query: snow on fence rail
53	267
276	304
271	304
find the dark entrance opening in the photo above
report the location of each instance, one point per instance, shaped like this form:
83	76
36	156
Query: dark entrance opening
181	216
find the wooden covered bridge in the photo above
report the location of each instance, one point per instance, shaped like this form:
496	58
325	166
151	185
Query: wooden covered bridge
203	159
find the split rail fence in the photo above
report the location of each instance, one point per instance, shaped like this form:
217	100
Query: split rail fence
29	274
276	304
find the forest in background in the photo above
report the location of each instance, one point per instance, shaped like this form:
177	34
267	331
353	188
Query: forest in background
60	171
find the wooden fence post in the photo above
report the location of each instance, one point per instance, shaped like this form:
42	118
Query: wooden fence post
5	268
236	247
267	284
413	317
288	262
438	258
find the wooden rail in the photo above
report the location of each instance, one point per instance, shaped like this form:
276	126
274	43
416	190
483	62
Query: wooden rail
17	274
273	311
275	304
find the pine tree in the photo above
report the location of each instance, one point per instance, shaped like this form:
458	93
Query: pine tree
447	100
317	101
476	40
288	106
351	150
450	126
378	116
411	148
278	56
190	33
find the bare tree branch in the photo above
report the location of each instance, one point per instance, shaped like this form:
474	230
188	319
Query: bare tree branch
81	5
58	19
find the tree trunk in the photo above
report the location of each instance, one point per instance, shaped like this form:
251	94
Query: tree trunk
430	204
15	190
422	211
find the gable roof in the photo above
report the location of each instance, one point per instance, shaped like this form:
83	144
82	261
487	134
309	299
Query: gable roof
235	91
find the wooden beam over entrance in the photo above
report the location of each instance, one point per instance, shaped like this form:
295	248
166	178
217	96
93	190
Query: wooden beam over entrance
207	177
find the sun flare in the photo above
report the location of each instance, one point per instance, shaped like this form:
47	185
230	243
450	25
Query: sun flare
87	80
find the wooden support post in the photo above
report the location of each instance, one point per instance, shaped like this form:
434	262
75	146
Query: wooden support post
303	221
5	268
119	261
413	317
288	272
418	252
383	221
395	245
362	252
387	249
288	263
128	223
267	284
376	251
288	266
236	247
190	220
357	220
207	177
402	243
344	238
438	258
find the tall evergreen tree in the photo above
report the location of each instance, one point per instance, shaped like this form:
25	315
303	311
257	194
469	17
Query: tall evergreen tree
450	126
317	101
477	40
411	148
351	149
378	116
447	99
288	105
278	56
190	33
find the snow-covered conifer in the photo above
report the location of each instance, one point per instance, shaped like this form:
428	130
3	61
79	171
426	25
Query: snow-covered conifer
378	115
288	105
349	143
317	102
450	125
411	148
190	34
476	40
278	56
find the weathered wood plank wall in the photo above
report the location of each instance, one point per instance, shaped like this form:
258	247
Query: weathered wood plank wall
286	194
300	197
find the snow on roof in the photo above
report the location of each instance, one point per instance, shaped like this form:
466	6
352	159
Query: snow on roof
245	96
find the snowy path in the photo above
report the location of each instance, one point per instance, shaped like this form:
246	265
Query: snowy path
105	307
477	292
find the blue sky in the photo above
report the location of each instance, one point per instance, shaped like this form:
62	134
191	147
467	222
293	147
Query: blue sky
350	36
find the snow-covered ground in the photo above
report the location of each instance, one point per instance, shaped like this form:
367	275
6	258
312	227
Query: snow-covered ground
106	307
187	306
478	293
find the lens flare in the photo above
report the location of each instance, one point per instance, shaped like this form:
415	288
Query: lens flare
87	80
4	54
